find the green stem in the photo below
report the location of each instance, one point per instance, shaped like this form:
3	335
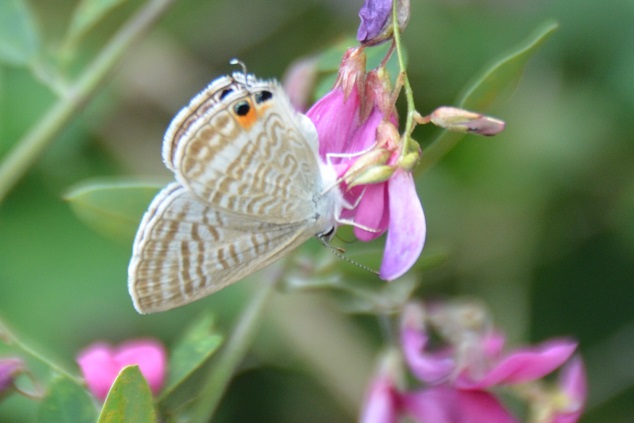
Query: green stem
407	88
242	335
28	149
8	336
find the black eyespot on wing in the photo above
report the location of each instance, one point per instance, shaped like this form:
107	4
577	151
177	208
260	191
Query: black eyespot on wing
242	108
225	92
263	96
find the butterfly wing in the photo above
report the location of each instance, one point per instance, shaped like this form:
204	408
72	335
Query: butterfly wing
186	249
247	151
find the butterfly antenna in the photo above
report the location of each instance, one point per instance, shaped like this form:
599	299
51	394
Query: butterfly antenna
339	253
238	62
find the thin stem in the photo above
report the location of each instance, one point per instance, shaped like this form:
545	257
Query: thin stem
10	338
28	149
410	122
234	351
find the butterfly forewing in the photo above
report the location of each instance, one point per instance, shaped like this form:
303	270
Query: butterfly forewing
263	164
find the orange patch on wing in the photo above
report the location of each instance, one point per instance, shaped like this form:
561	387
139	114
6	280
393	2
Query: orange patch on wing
247	121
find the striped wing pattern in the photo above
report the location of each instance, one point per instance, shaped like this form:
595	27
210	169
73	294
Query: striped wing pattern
266	168
249	190
186	250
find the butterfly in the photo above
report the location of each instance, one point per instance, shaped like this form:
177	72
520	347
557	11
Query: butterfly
250	187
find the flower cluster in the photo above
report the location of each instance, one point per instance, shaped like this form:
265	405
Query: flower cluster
462	375
101	363
357	127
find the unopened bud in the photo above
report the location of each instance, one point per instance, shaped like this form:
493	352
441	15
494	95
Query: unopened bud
376	20
460	120
373	175
409	160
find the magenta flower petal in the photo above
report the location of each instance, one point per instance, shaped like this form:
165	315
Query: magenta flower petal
381	402
9	367
364	136
482	407
447	405
100	364
523	365
406	233
436	405
372	212
335	116
99	368
150	357
572	381
428	367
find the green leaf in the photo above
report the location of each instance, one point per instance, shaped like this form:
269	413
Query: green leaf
501	79
87	14
198	343
129	399
494	85
19	40
112	207
66	402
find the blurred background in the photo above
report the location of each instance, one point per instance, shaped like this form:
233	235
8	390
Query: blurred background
536	222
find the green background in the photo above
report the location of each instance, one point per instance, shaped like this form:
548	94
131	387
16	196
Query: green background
536	222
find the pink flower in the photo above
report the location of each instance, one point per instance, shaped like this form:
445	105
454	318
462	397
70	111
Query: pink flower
382	401
573	386
444	404
476	360
101	363
9	368
518	366
565	402
356	123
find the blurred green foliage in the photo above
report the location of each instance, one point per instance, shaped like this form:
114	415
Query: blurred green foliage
537	222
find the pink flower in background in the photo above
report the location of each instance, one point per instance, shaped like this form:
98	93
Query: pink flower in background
461	377
573	384
443	404
356	123
565	403
479	362
101	363
9	368
382	400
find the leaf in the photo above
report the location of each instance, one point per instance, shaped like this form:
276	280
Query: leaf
199	342
112	207
87	14
129	399
19	40
502	78
495	84
66	402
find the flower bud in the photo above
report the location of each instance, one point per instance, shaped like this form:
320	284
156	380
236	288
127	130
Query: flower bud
459	120
373	158
373	175
376	20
